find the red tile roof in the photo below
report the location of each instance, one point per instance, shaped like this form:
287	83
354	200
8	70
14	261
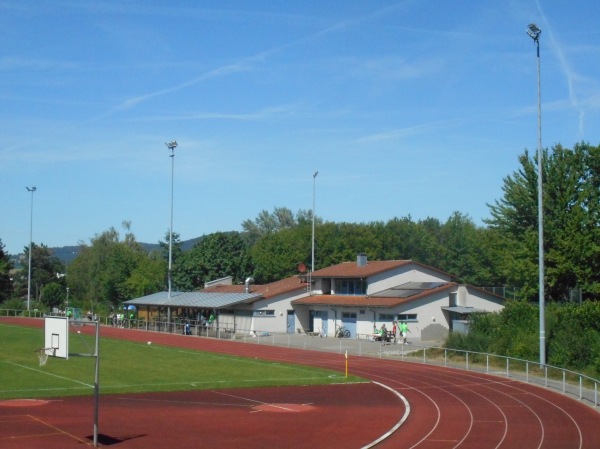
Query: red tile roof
352	269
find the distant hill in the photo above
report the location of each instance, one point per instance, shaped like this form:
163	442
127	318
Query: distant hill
66	254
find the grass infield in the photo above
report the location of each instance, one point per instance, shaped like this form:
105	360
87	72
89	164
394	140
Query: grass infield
129	367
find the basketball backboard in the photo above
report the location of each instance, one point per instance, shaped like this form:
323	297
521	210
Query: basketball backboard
56	336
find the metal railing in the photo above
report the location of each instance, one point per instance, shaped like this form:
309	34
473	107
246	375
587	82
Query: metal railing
22	313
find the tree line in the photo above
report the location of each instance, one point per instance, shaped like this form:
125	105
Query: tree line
113	266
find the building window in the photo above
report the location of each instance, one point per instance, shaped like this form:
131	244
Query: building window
407	317
264	313
386	317
350	287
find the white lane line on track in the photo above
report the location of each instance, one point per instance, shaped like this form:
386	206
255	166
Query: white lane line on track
398	424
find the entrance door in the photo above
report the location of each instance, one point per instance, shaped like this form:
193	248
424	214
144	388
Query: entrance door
323	316
349	322
324	321
291	322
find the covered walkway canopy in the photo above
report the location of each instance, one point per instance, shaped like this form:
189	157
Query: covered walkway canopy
194	300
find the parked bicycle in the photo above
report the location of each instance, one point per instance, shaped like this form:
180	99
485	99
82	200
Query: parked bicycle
342	332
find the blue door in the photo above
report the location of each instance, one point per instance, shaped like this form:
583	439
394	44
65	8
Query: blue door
349	322
291	322
324	316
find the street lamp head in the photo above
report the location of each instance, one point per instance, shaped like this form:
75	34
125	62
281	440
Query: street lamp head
31	189
315	174
171	145
533	31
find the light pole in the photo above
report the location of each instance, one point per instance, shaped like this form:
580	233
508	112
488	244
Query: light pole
30	189
171	146
312	266
534	32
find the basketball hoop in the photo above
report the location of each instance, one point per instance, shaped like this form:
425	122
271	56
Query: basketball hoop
43	354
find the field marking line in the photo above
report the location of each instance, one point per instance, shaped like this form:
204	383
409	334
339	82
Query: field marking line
167	401
50	374
60	430
270	404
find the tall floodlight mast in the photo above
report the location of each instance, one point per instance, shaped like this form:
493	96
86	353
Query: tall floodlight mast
312	266
534	32
171	146
30	189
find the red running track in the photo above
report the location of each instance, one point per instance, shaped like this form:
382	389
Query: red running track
446	408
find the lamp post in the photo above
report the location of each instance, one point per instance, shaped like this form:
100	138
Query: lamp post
534	32
30	189
171	146
312	266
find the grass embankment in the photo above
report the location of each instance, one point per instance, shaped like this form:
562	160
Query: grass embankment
128	367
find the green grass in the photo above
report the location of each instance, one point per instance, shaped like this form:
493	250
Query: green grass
127	367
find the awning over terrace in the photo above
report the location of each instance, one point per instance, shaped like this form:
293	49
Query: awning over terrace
198	300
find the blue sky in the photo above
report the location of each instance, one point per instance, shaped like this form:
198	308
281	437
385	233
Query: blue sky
416	108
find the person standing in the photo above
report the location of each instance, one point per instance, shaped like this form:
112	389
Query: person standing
403	331
394	331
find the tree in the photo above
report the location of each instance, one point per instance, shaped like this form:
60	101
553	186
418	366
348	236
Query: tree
466	254
6	284
53	295
111	271
571	207
278	255
215	256
45	269
268	223
178	275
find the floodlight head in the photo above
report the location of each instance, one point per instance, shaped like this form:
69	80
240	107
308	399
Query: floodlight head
315	174
171	145
32	189
533	31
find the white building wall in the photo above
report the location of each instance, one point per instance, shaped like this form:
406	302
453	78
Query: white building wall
481	300
277	322
402	275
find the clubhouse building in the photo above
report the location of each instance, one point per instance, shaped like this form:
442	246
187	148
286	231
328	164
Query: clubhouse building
359	296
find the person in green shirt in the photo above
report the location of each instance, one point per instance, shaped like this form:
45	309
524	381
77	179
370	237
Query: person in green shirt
403	331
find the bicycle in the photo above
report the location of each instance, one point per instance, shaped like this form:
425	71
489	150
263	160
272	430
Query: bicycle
342	332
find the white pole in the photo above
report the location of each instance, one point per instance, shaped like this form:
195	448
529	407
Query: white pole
171	146
312	266
534	32
32	189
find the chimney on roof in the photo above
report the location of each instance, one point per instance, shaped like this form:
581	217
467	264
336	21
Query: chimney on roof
361	260
247	284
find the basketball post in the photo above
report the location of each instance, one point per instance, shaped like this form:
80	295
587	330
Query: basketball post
56	344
